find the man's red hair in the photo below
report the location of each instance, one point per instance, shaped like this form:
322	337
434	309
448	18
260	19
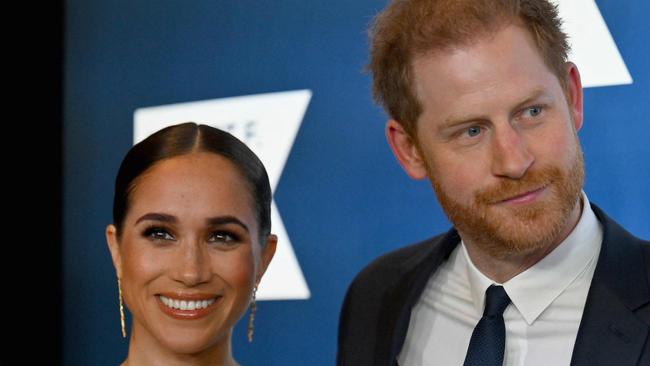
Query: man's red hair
409	28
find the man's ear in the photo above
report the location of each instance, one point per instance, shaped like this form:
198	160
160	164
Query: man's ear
267	254
405	150
114	247
574	94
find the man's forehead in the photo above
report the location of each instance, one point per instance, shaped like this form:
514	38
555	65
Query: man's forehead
464	64
498	73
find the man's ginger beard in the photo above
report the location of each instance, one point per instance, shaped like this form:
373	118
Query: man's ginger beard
503	230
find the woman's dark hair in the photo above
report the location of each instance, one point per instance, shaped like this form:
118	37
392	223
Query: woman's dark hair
183	139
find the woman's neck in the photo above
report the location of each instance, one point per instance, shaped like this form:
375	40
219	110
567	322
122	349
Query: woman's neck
145	350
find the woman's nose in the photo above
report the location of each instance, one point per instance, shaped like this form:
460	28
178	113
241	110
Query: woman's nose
193	264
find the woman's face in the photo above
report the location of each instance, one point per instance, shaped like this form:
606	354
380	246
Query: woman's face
189	255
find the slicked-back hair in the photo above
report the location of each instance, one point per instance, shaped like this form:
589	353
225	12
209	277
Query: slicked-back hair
184	139
406	29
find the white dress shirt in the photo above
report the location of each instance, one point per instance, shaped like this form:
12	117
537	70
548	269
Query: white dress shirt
541	321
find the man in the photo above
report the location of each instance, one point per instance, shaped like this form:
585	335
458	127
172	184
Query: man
484	104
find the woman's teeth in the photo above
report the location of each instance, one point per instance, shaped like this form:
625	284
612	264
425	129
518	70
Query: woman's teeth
186	304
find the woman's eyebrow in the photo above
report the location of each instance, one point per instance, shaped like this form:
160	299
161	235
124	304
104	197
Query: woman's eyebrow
154	216
221	220
210	221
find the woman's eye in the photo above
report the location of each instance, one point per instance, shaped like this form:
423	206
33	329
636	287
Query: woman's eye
157	233
223	237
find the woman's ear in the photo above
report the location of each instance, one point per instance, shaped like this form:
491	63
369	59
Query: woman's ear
114	247
268	251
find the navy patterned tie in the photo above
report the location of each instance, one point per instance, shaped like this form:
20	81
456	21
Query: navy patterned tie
489	337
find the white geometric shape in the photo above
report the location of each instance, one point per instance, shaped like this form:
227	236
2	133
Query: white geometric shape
592	47
277	281
267	124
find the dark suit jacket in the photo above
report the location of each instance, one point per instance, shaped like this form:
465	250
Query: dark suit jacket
615	326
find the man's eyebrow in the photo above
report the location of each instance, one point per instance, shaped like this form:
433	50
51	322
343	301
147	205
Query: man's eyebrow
210	221
453	121
531	97
463	119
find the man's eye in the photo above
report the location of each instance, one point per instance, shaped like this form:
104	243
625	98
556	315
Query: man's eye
158	233
534	111
473	131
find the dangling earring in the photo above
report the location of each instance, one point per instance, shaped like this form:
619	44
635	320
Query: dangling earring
251	317
119	287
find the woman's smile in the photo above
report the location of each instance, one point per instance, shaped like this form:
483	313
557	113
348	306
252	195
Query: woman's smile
188	307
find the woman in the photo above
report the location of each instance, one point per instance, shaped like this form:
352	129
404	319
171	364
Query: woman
190	241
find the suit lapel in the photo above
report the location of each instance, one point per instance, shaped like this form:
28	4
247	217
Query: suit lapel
402	295
610	332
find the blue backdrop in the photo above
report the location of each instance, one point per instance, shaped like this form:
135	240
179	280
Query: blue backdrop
344	200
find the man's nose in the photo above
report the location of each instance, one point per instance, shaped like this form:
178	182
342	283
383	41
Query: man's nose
511	156
193	264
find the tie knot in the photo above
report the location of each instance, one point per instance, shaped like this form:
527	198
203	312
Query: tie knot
496	301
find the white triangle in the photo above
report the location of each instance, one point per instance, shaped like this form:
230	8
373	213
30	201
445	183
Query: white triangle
593	49
268	124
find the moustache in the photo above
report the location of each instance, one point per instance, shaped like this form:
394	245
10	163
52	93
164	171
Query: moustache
510	188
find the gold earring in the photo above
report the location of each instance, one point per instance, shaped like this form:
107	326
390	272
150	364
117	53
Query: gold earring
251	317
119	288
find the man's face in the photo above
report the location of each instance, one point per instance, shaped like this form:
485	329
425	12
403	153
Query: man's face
497	138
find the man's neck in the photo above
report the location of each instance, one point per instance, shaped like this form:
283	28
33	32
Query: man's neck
503	269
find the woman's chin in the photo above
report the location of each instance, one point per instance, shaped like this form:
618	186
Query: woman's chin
193	343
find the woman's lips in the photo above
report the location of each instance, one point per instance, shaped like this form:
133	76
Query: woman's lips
525	197
187	306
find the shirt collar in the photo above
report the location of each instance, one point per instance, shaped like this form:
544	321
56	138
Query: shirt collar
533	290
